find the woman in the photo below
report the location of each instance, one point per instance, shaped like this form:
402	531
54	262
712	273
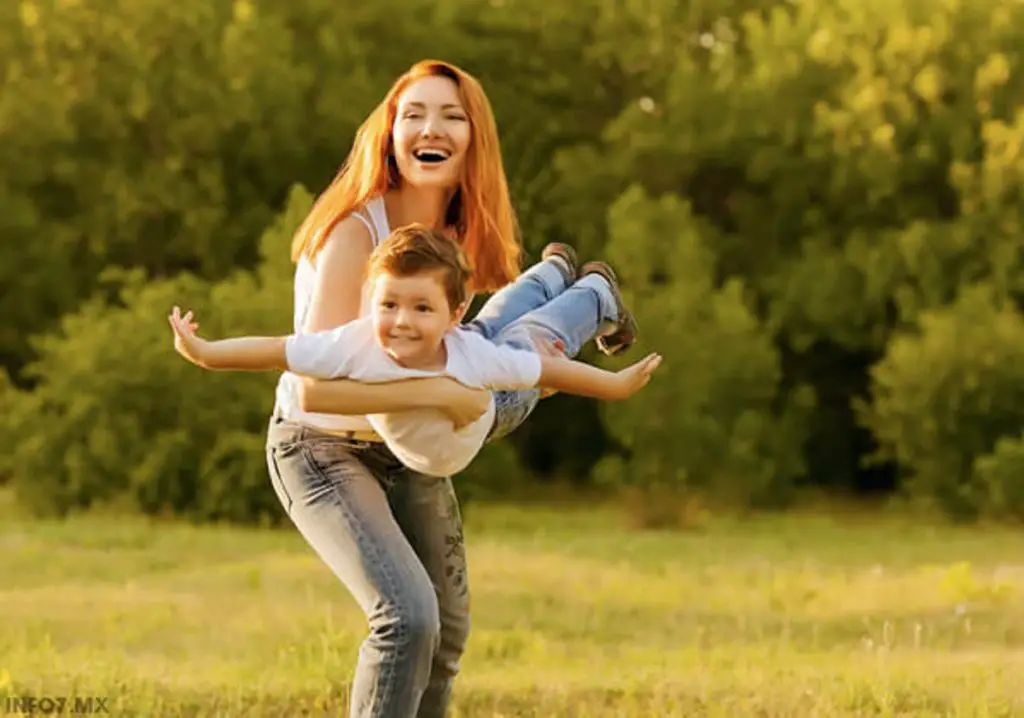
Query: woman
428	153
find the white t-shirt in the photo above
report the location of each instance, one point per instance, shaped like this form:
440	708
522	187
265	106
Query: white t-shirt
425	440
374	215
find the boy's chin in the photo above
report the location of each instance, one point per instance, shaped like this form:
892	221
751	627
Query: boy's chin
406	357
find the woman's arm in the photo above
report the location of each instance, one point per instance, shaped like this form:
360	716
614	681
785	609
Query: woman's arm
341	272
343	396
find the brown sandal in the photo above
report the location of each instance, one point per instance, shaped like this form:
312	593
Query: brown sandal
567	254
623	333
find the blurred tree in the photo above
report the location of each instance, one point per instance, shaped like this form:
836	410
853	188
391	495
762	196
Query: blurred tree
791	192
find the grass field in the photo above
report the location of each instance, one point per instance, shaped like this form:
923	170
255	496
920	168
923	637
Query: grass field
794	616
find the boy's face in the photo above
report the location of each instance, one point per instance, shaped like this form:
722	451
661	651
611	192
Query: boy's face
411	316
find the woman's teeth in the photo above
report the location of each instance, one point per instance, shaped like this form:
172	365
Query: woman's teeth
430	155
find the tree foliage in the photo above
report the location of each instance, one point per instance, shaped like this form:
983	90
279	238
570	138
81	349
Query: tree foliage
815	209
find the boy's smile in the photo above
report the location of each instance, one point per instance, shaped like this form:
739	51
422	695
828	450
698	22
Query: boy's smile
410	318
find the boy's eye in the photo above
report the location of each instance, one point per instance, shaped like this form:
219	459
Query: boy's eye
388	305
423	308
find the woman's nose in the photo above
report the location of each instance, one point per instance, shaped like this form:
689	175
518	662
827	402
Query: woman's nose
431	127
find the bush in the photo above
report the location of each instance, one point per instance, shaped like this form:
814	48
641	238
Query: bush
1001	476
845	166
145	134
117	416
943	397
859	164
713	418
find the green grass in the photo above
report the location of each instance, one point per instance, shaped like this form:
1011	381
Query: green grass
790	616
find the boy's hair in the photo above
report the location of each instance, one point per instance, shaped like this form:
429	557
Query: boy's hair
417	248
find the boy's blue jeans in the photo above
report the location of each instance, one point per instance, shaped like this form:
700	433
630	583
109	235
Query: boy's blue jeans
540	302
394	537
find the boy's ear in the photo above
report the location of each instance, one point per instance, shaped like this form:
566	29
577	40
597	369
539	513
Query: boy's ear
456	316
459	312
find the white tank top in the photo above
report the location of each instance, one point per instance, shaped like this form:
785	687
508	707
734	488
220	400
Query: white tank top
374	216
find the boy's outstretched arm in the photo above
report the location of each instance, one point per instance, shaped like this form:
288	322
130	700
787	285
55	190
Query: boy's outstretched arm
239	354
574	377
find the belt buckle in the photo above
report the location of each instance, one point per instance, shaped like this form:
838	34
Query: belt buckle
352	436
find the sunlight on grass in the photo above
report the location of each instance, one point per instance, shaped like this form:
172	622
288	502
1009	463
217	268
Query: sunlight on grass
572	617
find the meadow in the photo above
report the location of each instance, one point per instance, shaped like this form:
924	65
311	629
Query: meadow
798	615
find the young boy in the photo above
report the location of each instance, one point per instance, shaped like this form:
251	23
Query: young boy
418	279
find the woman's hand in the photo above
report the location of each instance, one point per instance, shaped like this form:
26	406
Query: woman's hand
464	405
547	347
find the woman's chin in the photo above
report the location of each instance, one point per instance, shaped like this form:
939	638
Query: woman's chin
426	179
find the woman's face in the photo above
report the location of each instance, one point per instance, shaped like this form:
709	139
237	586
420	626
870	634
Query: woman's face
431	134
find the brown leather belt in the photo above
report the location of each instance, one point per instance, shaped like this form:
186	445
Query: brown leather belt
369	437
362	436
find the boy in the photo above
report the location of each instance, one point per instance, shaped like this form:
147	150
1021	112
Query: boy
418	279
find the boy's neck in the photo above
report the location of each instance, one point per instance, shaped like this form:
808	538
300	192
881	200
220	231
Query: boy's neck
407	205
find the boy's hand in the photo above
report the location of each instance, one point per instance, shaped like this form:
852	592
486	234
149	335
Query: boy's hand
186	342
635	376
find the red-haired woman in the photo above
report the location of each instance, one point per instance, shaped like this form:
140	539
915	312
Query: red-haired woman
428	153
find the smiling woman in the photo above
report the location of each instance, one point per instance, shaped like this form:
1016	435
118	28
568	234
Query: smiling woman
429	155
431	133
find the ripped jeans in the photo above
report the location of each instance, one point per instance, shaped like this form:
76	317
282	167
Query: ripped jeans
394	538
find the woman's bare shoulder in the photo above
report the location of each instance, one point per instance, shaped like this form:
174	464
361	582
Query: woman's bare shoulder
350	241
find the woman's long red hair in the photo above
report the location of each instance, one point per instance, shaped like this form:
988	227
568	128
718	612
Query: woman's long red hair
481	210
